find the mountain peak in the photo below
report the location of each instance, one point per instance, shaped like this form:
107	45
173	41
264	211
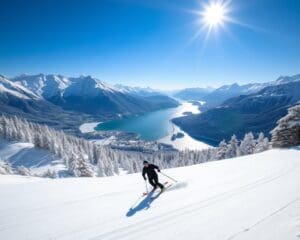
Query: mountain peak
44	85
14	89
287	79
229	86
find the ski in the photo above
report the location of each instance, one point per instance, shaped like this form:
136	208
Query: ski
154	190
166	187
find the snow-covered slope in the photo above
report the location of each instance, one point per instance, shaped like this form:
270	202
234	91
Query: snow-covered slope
286	79
138	91
195	94
225	92
47	86
37	160
14	89
252	197
17	100
51	85
88	86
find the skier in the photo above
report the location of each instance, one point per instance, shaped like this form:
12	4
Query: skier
149	169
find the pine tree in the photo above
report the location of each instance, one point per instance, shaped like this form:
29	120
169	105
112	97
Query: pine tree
248	144
287	132
262	143
21	170
50	174
83	158
222	149
83	167
5	167
233	148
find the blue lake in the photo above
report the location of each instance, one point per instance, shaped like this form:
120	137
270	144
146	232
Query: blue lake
149	126
157	125
153	126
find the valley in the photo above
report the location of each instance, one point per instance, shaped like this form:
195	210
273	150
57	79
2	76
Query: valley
153	126
238	109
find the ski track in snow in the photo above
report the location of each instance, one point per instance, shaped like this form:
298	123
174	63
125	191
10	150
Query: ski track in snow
264	219
251	197
170	217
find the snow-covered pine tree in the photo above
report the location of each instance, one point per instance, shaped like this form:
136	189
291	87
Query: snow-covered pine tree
5	167
21	170
233	149
83	166
84	158
222	149
262	143
65	146
287	132
72	164
50	174
247	145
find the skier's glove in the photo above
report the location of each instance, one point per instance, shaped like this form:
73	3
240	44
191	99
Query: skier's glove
158	170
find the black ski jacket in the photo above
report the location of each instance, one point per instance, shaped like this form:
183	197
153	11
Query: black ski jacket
150	171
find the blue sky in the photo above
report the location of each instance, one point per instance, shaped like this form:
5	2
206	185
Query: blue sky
148	42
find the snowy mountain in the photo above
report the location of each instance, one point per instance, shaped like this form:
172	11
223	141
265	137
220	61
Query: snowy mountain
87	86
257	112
193	93
16	100
214	97
225	92
286	79
46	86
234	90
10	88
90	95
138	91
246	198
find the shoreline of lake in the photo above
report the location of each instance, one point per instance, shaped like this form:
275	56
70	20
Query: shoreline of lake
88	127
157	126
186	142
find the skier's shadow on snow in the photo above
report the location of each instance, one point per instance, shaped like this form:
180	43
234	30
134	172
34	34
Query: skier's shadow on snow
143	205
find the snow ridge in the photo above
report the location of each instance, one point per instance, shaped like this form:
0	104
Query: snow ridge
15	89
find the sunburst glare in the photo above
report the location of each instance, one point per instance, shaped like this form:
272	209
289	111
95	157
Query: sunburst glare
214	14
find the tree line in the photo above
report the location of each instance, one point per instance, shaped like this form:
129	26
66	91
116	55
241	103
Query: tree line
84	158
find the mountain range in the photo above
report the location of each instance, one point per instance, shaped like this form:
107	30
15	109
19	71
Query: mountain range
214	97
65	102
256	112
92	96
16	100
192	93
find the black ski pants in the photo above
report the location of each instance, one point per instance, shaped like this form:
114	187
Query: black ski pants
153	180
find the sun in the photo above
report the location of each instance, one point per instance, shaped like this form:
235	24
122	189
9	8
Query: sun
213	17
214	14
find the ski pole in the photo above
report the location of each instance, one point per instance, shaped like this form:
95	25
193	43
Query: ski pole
146	186
168	177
